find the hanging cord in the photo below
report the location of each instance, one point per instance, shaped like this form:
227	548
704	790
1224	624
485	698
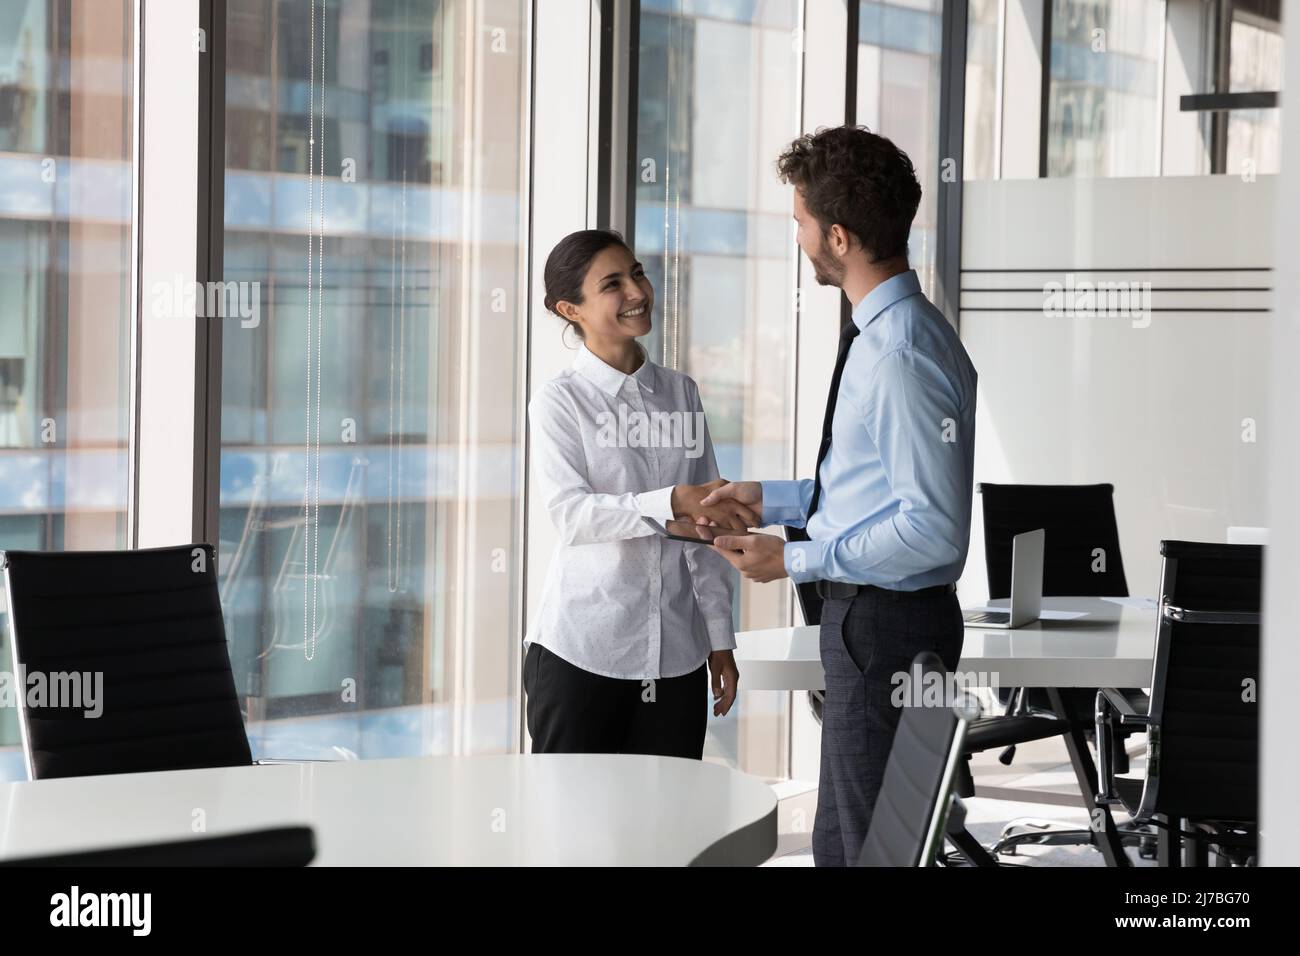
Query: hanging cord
397	373
315	327
397	405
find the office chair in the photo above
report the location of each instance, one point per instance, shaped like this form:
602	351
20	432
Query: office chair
150	623
1202	724
1079	521
908	823
282	846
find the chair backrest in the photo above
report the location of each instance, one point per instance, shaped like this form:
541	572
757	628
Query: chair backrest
907	825
282	846
1203	741
810	602
136	644
1078	519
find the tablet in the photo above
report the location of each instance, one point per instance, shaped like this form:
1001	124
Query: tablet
688	531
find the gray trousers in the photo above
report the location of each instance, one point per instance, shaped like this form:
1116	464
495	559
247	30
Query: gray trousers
865	641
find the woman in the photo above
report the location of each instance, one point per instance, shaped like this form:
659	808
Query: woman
628	620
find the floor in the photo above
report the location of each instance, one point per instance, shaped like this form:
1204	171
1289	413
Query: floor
1040	780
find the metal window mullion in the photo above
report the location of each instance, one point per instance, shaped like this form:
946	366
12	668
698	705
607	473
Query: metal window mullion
952	133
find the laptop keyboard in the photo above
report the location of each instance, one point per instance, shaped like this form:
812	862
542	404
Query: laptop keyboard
989	617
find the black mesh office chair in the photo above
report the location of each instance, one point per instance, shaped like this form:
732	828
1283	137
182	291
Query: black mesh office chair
1079	520
908	823
282	846
1202	724
1081	556
150	623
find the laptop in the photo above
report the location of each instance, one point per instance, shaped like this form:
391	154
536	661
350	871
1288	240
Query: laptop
1026	585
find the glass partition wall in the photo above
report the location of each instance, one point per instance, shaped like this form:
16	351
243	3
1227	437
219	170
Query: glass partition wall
374	163
717	100
370	445
66	121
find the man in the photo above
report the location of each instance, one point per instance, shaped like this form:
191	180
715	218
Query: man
888	511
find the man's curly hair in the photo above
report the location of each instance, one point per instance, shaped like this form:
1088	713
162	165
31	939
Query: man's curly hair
851	176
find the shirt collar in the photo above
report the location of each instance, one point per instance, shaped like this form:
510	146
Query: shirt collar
884	295
610	379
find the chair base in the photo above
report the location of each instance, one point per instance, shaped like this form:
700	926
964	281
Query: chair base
1038	832
1031	831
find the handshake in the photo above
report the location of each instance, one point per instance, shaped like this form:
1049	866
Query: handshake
734	505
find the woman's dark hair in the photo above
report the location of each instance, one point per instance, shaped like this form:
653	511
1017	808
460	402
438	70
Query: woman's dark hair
851	176
567	266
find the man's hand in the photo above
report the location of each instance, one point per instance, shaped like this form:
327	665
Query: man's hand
759	557
688	503
747	493
722	665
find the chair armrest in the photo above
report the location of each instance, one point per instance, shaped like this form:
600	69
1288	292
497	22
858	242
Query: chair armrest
1187	615
1114	713
1121	707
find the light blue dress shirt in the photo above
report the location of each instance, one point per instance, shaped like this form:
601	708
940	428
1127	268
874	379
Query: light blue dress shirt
897	480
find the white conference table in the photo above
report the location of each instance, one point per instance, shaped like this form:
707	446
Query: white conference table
1079	642
508	810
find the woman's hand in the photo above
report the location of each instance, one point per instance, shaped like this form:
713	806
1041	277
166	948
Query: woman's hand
728	513
722	665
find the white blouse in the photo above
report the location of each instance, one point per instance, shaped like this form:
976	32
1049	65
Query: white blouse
619	600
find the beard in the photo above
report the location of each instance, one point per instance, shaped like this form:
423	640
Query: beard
827	270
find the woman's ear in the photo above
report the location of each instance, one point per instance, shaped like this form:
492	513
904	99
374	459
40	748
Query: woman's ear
568	310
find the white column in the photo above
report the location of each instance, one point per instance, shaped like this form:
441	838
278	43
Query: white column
164	451
1185	151
564	133
1022	90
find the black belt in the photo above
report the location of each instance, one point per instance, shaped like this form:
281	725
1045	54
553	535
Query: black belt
837	591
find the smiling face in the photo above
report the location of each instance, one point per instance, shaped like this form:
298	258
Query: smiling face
616	298
827	267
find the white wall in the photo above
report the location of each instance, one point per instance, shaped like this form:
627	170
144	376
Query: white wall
1158	409
1280	771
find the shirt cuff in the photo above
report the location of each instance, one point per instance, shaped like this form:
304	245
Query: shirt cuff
782	502
722	636
805	561
656	504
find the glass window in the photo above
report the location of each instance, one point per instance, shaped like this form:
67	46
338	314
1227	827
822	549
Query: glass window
371	453
1104	92
66	107
1255	64
716	104
898	96
982	130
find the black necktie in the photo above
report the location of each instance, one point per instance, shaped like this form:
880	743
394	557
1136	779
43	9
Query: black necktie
847	335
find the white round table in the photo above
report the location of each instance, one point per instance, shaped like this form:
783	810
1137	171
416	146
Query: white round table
509	810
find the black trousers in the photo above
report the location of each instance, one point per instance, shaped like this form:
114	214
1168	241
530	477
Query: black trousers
865	641
570	710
